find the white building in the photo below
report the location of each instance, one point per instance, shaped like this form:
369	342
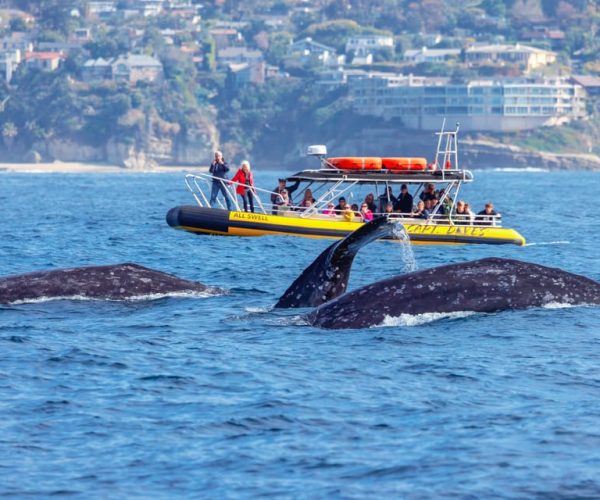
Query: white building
363	45
426	55
309	51
482	105
529	58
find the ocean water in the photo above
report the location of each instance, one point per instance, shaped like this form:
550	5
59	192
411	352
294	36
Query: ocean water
221	397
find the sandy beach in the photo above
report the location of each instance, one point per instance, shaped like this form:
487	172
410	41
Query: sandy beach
79	168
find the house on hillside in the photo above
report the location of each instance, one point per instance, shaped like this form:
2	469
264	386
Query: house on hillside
363	45
101	8
129	68
590	83
241	74
17	41
307	51
226	37
525	56
135	67
149	8
46	61
238	55
426	55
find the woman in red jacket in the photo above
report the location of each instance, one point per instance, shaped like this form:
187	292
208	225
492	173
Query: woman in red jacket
245	186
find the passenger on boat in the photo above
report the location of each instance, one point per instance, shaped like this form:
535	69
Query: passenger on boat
277	191
348	213
341	206
308	200
356	210
428	193
446	207
421	212
389	208
282	202
431	205
488	216
385	198
218	169
461	216
330	210
370	201
245	186
470	213
404	202
366	213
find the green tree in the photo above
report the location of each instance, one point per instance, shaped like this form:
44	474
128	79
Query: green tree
17	24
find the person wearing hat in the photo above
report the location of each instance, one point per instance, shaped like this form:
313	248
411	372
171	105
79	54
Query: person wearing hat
404	202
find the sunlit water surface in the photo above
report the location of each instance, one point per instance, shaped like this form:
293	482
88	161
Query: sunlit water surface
222	397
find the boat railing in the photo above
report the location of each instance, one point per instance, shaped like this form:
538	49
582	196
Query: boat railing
200	184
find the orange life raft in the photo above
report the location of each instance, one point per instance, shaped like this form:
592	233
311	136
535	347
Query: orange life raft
356	163
402	164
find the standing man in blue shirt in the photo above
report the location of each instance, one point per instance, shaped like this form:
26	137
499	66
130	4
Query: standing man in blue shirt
218	169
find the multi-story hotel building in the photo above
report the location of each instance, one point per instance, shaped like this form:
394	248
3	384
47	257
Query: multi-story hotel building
492	105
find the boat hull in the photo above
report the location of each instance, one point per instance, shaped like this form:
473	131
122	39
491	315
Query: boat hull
215	221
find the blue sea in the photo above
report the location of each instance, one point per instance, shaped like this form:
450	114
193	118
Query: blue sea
221	397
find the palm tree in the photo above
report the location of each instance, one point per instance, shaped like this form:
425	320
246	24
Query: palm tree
9	132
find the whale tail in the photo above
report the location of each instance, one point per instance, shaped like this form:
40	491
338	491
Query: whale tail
327	277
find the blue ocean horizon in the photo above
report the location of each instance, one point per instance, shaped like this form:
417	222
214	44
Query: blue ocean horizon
223	397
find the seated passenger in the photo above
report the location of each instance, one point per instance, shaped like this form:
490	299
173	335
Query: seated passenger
370	201
275	195
348	213
365	213
341	206
330	210
461	216
308	199
355	210
404	202
421	212
282	202
470	213
385	198
488	216
428	192
389	208
431	205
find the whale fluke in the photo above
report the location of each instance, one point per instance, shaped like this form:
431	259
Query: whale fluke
486	285
327	277
113	282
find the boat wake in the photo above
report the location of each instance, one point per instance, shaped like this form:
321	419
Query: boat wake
547	243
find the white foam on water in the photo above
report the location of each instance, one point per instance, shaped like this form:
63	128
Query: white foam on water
258	310
558	305
421	319
135	298
533	170
547	243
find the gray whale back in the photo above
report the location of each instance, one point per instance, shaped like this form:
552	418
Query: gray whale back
486	285
114	282
327	276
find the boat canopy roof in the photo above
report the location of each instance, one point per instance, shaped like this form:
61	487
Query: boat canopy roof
373	176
